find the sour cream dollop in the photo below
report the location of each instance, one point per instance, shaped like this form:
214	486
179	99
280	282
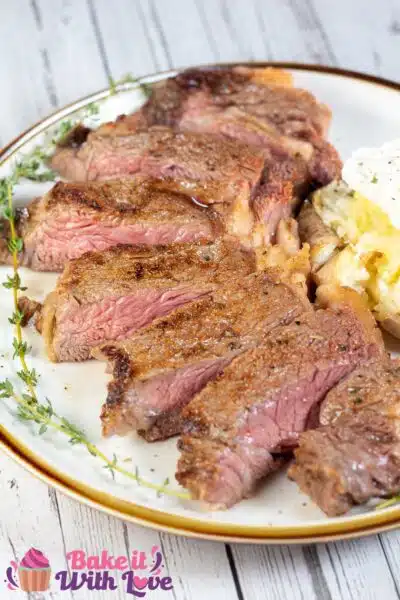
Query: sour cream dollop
375	173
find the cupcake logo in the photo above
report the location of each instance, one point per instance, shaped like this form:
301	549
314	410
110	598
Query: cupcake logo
140	573
33	572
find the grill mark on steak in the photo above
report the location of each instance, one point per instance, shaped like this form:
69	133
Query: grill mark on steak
172	357
354	456
106	296
74	218
263	401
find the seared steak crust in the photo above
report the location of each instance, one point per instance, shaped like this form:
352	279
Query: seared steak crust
264	401
74	218
106	296
112	151
256	106
195	92
175	356
210	132
355	456
220	173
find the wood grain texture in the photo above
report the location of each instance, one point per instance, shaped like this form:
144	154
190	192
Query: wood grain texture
52	53
365	35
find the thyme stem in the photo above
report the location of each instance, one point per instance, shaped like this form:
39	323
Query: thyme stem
387	503
48	418
15	290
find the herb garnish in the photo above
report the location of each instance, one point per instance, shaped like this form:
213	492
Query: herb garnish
29	408
387	503
374	179
126	79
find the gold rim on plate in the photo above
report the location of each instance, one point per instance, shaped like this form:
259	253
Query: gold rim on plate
348	527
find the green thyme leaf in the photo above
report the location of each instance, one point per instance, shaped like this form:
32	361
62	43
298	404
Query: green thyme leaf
16	318
92	109
128	78
29	399
13	282
6	389
20	348
29	377
15	245
8	213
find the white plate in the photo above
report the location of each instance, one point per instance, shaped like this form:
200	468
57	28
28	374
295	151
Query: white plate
366	112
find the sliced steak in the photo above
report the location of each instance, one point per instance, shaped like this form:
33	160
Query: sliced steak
74	218
106	296
355	456
160	369
221	173
263	402
254	105
242	104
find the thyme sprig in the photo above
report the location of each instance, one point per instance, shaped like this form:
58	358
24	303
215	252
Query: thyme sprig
114	85
33	166
15	245
29	408
387	503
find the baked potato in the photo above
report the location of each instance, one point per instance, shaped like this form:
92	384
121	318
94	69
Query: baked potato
353	243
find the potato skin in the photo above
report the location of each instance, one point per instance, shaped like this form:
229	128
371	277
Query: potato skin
392	325
322	240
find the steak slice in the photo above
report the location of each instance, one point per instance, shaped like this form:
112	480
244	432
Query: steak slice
225	174
264	400
74	218
253	105
160	369
107	296
355	456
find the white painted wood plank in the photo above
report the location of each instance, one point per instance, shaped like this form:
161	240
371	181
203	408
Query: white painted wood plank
28	519
390	542
91	531
357	569
180	32
52	58
364	35
292	32
236	28
275	573
24	97
201	568
66	37
127	38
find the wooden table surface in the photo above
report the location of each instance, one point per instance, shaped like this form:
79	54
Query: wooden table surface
53	52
